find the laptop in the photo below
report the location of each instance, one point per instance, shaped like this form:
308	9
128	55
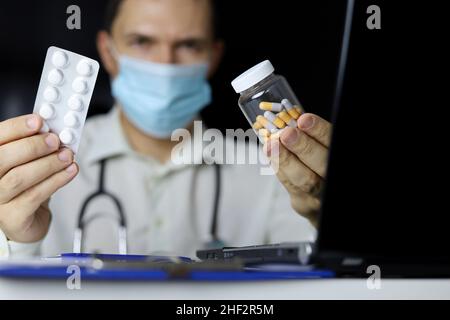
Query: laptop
385	198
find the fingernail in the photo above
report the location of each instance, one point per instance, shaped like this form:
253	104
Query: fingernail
306	122
52	141
65	155
266	148
274	148
289	137
72	168
33	122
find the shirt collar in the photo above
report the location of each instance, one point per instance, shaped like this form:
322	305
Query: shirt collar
109	139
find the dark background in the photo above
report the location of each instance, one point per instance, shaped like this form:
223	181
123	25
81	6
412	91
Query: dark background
388	180
387	185
301	38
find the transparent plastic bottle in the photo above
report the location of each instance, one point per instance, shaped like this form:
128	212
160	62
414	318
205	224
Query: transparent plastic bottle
259	87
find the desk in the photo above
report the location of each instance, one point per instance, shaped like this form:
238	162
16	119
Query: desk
291	289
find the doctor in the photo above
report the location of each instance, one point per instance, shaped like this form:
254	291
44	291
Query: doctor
126	154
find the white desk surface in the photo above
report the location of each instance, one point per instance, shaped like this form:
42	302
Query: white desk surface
291	289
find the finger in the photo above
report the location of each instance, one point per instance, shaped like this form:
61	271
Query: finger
313	154
23	177
31	199
304	198
316	127
20	127
25	150
26	228
306	205
291	172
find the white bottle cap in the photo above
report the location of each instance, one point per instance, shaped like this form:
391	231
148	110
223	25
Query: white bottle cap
252	76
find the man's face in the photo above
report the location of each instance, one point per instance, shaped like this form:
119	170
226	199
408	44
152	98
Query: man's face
164	31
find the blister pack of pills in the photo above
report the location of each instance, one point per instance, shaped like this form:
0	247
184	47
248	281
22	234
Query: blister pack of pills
64	93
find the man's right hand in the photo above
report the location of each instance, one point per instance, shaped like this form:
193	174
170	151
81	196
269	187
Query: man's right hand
32	168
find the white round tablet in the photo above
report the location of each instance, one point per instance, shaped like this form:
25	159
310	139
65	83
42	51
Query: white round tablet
66	136
55	77
47	111
84	68
71	120
79	85
45	127
59	59
51	94
75	103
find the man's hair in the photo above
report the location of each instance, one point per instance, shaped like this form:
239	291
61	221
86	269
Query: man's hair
113	7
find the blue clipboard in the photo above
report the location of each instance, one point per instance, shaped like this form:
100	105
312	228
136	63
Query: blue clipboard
59	269
128	257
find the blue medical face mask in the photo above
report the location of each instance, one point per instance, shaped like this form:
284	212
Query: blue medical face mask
160	98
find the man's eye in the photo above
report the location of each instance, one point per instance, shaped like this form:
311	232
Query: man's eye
141	42
191	45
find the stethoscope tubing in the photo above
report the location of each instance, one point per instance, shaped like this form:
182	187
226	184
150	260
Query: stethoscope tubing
123	243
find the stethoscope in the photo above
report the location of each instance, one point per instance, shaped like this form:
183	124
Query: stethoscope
214	242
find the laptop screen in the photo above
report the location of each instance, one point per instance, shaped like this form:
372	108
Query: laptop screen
387	183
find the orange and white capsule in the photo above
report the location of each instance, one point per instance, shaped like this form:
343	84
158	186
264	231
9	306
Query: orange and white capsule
271	106
263	133
274	119
294	114
283	115
287	104
266	124
264	139
257	125
277	134
290	109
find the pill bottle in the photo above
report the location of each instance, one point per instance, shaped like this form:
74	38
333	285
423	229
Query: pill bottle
267	100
